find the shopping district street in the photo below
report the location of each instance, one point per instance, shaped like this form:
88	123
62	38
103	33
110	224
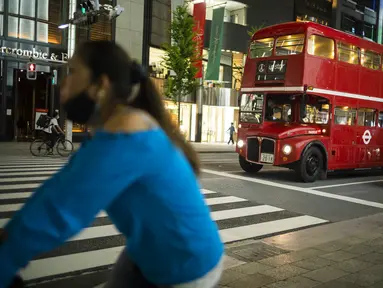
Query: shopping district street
278	232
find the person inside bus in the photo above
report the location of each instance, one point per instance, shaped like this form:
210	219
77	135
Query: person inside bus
269	115
137	167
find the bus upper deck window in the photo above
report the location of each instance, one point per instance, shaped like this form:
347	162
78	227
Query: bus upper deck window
261	48
290	44
321	46
370	59
348	53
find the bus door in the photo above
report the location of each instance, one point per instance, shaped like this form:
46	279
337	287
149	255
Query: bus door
343	138
366	138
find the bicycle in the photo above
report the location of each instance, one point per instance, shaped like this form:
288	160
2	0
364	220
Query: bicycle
41	147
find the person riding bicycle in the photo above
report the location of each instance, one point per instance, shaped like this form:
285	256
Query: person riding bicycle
137	167
53	130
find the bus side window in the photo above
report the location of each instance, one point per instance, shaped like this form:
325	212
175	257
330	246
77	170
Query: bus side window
380	120
370	59
366	117
348	53
321	46
345	116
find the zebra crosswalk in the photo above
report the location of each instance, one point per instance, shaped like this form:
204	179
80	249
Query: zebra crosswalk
96	248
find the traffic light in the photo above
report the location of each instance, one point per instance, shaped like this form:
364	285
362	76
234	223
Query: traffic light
31	71
85	7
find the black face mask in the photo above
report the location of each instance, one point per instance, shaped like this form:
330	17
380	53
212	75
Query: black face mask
80	108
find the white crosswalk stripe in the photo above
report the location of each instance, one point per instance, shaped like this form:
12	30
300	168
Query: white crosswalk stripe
236	217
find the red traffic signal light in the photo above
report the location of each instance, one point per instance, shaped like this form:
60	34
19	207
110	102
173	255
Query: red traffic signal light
31	67
31	72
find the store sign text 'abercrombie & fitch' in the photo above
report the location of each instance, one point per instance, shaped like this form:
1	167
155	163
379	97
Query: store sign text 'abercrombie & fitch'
35	54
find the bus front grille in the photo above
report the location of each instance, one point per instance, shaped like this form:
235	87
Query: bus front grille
267	146
253	149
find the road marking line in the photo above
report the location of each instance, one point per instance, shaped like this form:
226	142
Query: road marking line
24	179
223	200
4	221
297	189
19	186
32	162
31	169
266	228
205	191
32	173
21	195
346	184
50	165
243	212
70	263
96	232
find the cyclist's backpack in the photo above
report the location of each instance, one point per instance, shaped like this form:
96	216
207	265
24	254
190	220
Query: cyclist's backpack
43	121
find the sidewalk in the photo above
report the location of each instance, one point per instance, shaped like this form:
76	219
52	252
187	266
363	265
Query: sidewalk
346	254
22	148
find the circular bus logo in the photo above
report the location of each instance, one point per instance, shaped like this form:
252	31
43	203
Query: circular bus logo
367	137
262	68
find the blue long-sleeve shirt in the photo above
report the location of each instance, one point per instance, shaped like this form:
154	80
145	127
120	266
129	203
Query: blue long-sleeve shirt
148	189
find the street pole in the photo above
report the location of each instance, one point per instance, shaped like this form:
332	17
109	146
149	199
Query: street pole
71	46
199	100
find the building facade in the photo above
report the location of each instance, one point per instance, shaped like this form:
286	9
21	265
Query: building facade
29	29
205	118
360	17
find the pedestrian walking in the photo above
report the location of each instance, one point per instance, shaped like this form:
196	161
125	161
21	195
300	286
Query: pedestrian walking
137	168
231	130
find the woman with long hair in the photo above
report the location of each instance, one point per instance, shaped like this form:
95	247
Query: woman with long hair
136	167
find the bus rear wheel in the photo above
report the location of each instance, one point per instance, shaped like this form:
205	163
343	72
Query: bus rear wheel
311	166
248	166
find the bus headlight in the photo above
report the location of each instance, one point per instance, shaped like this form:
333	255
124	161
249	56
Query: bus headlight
287	149
240	143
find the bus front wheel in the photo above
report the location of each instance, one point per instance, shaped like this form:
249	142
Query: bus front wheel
248	166
311	166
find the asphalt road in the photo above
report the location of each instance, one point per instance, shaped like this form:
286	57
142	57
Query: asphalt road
244	206
343	196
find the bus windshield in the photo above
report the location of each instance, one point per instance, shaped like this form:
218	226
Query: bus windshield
251	106
278	108
283	107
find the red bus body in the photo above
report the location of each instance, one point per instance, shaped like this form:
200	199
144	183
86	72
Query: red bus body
343	81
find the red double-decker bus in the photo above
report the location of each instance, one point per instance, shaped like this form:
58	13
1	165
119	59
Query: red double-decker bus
312	101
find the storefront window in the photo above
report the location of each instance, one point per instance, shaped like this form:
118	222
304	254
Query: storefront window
187	119
42	32
27	7
13	26
53	9
1	17
27	29
1	24
43	9
48	17
13	6
216	121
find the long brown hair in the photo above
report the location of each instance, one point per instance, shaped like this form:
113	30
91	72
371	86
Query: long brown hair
107	58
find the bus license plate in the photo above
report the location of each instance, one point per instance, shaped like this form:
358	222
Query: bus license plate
267	158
